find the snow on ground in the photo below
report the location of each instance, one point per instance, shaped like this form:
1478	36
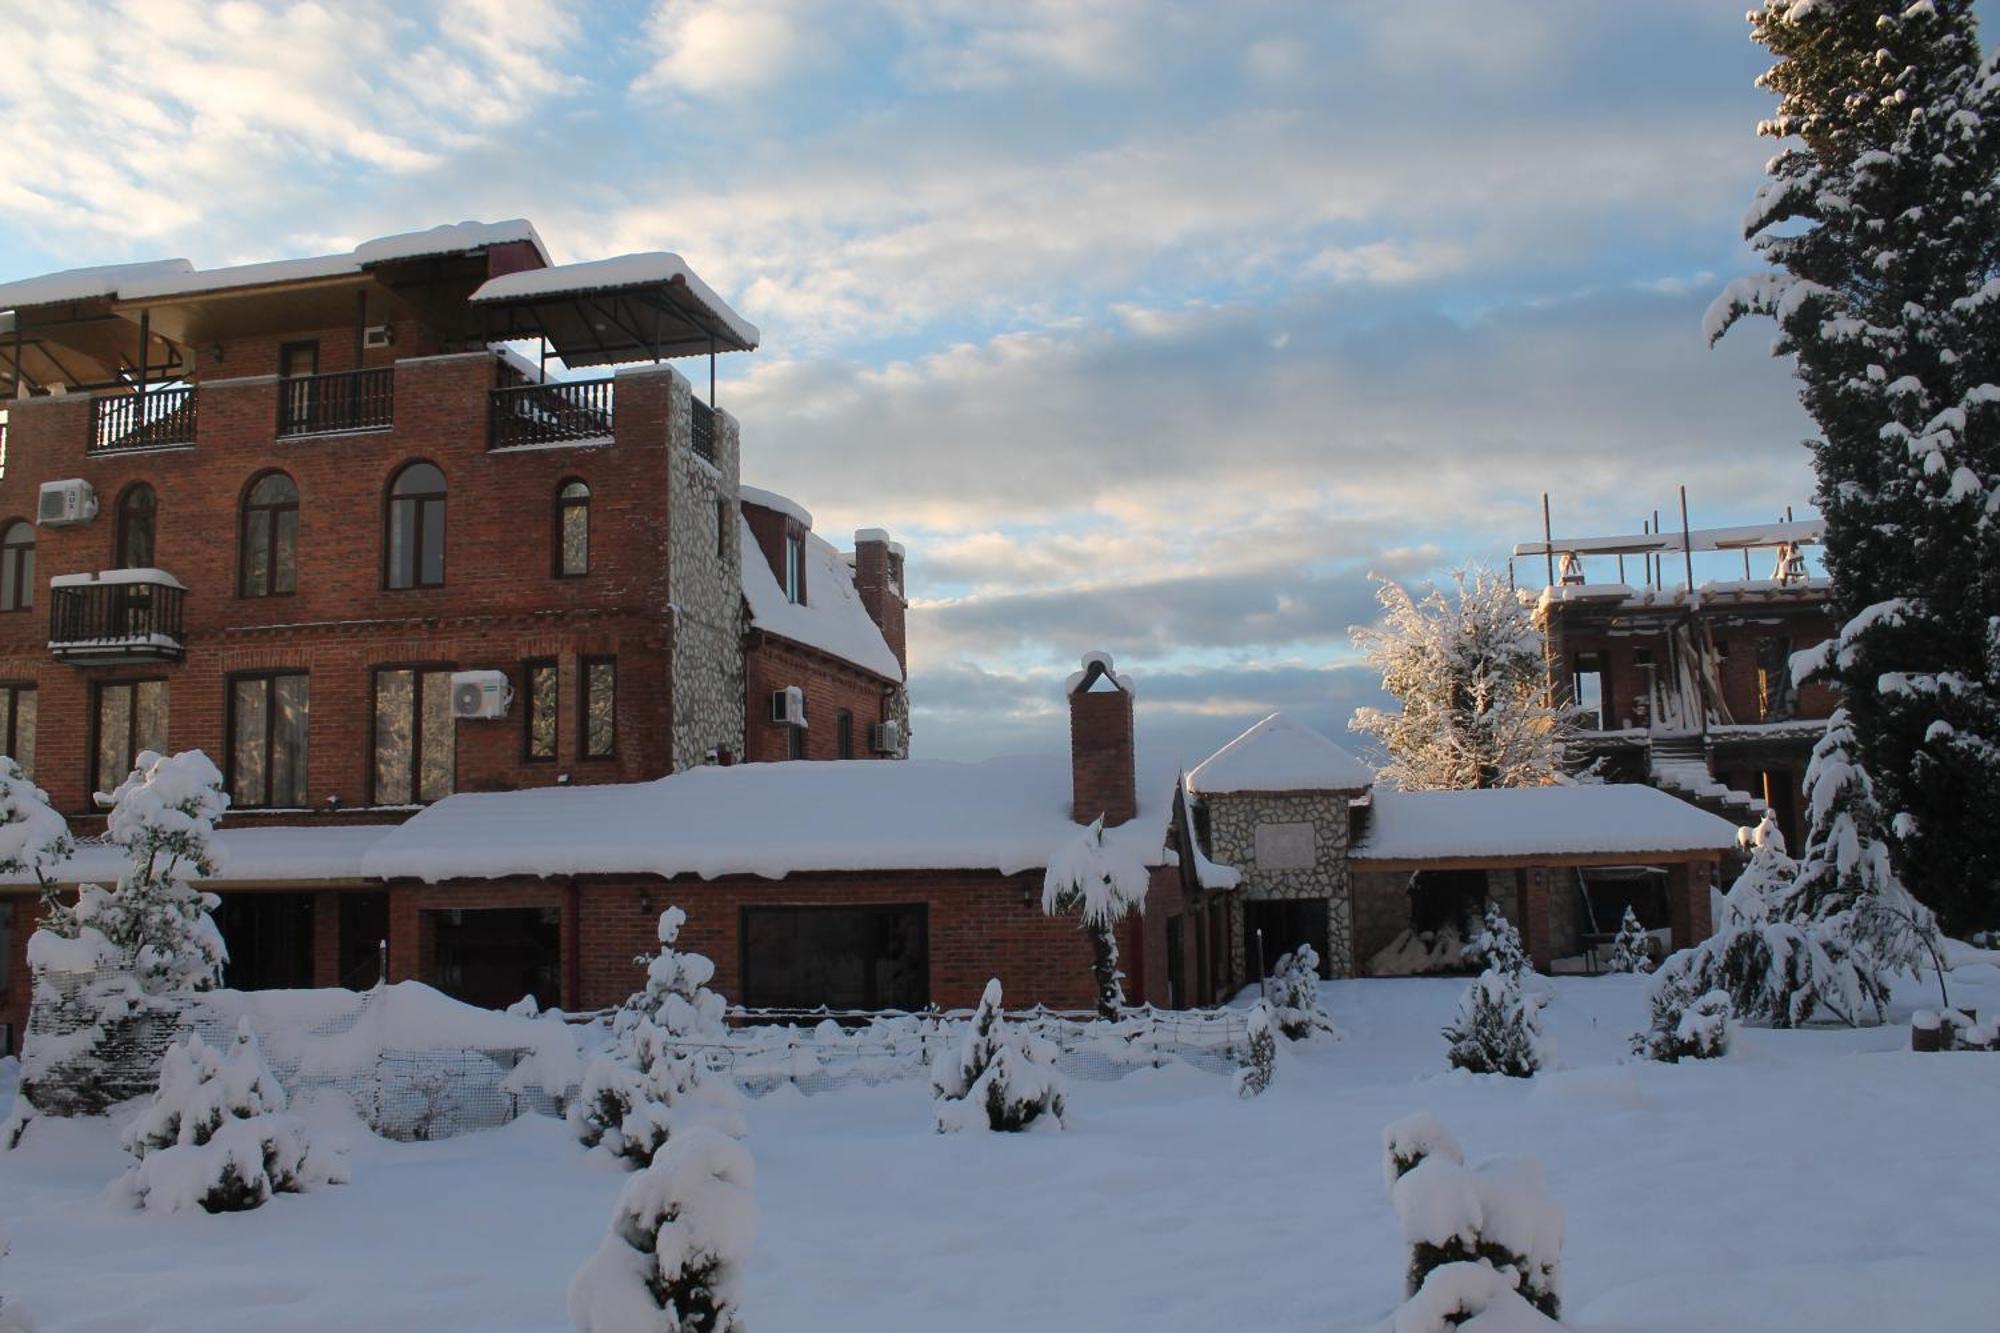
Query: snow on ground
1824	1180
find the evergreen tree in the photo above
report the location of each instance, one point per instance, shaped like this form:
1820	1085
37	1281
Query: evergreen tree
1881	224
1294	999
1632	950
1260	1056
1101	882
34	840
1001	1079
1499	1026
1684	1025
163	816
1498	945
631	1108
676	998
1469	672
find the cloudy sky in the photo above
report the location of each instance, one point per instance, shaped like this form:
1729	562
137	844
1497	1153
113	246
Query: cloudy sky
1152	327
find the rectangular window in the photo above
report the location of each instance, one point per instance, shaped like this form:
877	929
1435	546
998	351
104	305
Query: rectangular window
1777	696
539	681
600	707
416	743
1590	688
267	740
131	718
795	568
843	734
841	957
725	530
17	725
795	742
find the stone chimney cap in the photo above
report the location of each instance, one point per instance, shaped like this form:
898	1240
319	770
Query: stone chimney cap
863	536
1096	665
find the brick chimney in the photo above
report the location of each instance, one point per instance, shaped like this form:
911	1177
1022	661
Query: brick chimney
1102	777
878	577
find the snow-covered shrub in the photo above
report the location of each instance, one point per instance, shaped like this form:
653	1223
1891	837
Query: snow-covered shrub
1295	995
1684	1025
34	840
1497	946
1632	949
676	998
1260	1055
163	815
1499	1026
1001	1079
217	1134
672	1260
1458	1221
1101	883
631	1108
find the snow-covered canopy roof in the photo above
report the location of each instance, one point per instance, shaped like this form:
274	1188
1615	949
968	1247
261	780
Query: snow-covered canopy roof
1515	822
330	852
668	305
85	284
831	619
772	820
1279	754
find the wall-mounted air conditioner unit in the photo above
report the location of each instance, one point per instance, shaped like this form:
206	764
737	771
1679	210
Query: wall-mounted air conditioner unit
886	738
377	335
788	706
480	695
66	502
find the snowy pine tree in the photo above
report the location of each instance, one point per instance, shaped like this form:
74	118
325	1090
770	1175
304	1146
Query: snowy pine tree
163	816
631	1107
1260	1055
673	1258
34	840
1632	950
676	998
1877	222
1499	1026
1498	945
1000	1079
1684	1024
1101	882
1469	673
1294	995
217	1135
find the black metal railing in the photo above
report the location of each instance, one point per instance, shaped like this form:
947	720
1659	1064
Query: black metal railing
338	401
549	413
703	434
116	620
154	419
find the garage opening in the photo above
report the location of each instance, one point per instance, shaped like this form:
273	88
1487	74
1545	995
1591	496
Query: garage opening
875	957
1273	927
493	956
270	939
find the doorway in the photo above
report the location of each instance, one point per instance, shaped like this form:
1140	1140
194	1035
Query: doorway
1273	927
495	955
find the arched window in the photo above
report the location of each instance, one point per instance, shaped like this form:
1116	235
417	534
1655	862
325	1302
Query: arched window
572	530
138	516
270	546
415	542
17	566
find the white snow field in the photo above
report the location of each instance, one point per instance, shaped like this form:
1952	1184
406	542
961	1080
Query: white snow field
1823	1180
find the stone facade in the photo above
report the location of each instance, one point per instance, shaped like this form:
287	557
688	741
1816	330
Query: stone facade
1303	840
704	588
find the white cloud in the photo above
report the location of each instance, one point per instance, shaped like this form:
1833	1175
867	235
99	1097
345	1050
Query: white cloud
725	48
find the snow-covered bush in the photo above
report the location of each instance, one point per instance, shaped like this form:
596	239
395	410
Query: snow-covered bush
34	840
1499	1026
163	815
631	1108
1632	949
672	1260
1497	947
1482	1241
1260	1055
1002	1079
1295	995
217	1134
1684	1025
676	998
1100	882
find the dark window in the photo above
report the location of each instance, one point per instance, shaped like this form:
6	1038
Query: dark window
843	734
539	677
795	742
270	546
725	528
1177	996
267	740
17	725
270	939
1274	927
364	925
131	718
600	707
795	568
1777	696
138	519
17	566
415	543
299	358
494	956
1590	687
416	747
572	530
840	957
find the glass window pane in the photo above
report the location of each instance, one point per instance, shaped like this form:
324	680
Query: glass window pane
601	708
395	712
247	719
114	735
7	698
542	695
256	553
402	543
285	556
151	732
431	570
291	700
24	730
440	738
576	538
27	582
10	578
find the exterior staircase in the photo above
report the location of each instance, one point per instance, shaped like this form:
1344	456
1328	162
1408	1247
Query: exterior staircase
1679	763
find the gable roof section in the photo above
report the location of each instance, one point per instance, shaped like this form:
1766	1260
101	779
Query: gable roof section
832	618
1279	754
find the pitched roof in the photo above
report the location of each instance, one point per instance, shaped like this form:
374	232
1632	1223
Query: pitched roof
831	619
1619	819
1279	754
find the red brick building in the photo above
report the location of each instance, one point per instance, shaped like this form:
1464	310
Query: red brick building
325	520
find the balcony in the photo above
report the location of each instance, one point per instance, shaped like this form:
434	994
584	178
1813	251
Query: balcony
337	403
560	412
151	419
119	615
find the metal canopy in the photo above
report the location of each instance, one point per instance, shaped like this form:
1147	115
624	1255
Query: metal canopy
613	325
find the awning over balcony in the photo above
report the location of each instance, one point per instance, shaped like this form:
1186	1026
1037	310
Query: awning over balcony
608	311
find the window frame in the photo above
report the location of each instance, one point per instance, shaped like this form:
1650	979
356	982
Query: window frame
418	527
563	504
132	749
269	677
529	666
795	742
121	526
18	592
418	670
271	515
584	664
794	574
843	734
10	733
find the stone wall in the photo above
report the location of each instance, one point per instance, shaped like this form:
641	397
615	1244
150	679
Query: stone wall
1315	870
704	587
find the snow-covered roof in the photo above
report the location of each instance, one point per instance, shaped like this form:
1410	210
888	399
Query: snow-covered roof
776	503
333	851
772	820
621	271
831	619
85	284
1279	754
1619	820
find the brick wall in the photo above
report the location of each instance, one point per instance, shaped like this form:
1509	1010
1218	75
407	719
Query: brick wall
1102	777
830	685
